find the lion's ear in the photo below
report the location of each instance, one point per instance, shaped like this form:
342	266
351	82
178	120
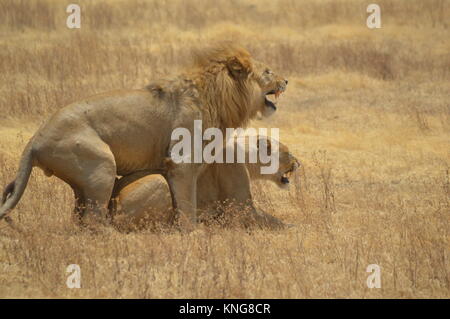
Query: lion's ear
239	67
156	89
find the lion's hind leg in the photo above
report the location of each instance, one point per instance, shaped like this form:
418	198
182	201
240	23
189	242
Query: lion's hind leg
97	190
89	168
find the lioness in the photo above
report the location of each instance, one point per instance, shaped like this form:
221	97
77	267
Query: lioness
145	201
90	142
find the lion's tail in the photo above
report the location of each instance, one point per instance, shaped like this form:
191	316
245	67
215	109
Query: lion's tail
14	191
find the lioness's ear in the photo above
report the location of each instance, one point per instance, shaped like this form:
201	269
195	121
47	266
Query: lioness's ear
264	142
239	67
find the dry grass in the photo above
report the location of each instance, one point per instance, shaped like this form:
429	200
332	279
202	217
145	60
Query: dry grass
367	112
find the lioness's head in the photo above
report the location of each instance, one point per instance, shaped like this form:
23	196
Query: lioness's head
270	83
288	163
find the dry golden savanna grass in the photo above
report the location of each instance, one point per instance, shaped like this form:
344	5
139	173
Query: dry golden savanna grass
366	111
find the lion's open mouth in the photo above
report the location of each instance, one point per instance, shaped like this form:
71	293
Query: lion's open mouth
276	94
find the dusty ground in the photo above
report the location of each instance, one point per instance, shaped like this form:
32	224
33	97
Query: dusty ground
366	111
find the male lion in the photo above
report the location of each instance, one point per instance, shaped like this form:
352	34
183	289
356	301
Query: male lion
145	201
88	143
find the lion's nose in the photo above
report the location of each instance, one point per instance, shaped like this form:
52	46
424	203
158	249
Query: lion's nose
286	81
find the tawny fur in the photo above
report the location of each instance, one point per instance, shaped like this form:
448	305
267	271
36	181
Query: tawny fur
145	201
88	143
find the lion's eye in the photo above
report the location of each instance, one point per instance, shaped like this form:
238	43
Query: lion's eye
267	71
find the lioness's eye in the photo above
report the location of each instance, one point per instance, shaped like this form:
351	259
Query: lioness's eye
267	71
